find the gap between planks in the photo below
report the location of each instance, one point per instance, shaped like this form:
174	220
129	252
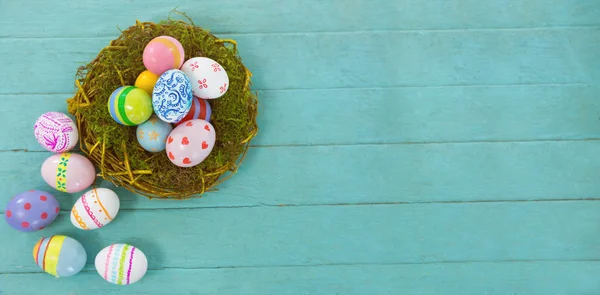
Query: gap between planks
363	88
408	31
89	267
308	145
417	203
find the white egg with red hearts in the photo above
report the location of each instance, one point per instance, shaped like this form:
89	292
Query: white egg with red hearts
189	144
95	209
209	79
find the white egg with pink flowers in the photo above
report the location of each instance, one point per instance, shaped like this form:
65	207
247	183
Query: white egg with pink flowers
209	78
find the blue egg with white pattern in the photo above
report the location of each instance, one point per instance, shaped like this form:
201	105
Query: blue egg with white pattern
152	134
172	96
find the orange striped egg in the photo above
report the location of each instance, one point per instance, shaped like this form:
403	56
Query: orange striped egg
59	255
163	53
95	209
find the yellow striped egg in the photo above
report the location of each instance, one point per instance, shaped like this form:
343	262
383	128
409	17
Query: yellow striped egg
130	105
59	255
95	209
121	264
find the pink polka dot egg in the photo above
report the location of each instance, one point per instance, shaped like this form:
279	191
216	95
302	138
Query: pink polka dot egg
163	53
31	210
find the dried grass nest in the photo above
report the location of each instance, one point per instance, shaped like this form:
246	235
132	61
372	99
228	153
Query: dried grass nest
114	149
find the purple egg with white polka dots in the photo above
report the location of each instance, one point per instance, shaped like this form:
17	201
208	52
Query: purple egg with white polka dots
31	210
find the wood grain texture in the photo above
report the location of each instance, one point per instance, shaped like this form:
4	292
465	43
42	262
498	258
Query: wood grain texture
389	115
350	60
406	147
294	16
565	278
364	174
324	235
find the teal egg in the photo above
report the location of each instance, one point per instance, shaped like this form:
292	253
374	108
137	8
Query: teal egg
152	134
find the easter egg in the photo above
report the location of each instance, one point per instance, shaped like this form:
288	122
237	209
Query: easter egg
146	81
68	172
130	105
190	143
152	134
59	255
95	209
172	96
163	53
209	79
121	264
56	132
31	210
200	110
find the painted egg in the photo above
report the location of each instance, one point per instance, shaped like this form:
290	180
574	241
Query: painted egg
56	132
121	264
163	53
146	81
68	172
95	209
172	96
31	210
152	134
59	255
209	79
190	143
200	110
130	105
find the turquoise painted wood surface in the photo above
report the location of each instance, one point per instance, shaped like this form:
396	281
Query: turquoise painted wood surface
406	147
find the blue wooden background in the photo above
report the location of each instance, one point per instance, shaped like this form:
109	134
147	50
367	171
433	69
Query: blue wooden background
406	147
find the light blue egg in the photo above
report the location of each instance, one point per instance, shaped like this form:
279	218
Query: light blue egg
152	134
59	255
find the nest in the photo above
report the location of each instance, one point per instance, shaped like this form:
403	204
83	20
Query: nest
113	148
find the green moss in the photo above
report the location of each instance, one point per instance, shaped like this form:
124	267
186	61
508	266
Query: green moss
233	115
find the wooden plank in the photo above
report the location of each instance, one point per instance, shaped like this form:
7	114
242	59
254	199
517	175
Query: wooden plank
350	60
388	115
277	16
323	235
531	278
411	173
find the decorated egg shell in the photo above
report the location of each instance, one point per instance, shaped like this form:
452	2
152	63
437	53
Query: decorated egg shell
121	264
95	209
56	132
163	53
190	143
59	255
152	134
146	81
68	172
172	96
200	110
130	105
31	210
209	79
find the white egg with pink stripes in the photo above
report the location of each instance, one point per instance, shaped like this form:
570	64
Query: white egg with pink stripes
95	209
121	264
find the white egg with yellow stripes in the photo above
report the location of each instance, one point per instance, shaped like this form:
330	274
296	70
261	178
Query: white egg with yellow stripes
95	209
121	264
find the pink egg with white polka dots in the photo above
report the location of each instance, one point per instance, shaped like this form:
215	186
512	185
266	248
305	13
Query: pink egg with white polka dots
189	144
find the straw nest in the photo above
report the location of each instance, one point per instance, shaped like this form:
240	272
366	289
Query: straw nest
114	149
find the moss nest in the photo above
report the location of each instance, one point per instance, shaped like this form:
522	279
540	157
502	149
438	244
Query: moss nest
114	149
